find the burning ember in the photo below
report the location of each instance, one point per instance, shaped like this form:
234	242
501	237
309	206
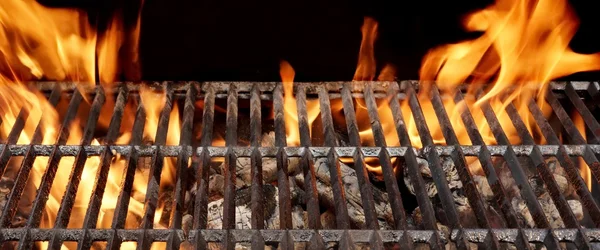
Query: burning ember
524	45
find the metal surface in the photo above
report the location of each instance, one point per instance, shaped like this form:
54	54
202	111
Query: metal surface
200	153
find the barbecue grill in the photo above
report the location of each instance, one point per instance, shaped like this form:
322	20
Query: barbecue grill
584	97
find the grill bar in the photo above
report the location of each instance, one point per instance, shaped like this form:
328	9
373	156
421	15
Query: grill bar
339	195
518	174
485	158
587	116
201	164
538	160
413	170
230	165
68	200
48	177
185	140
285	206
463	170
151	200
91	216
257	197
366	191
308	168
345	235
437	172
131	161
572	172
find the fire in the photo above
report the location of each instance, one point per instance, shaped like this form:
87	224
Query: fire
365	71
586	172
291	111
41	43
525	44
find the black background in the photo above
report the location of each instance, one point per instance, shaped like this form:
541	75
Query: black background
246	39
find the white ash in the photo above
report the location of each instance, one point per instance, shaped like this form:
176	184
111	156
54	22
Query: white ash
352	191
483	187
243	213
549	209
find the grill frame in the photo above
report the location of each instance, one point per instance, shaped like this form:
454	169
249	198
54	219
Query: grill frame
201	155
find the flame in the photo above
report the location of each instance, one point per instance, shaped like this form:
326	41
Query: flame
41	43
586	172
525	44
291	112
365	70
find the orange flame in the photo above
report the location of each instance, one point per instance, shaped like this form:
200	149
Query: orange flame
586	172
365	70
291	112
525	44
40	43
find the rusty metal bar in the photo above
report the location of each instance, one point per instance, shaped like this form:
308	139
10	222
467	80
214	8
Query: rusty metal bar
518	174
485	158
537	159
68	200
202	165
590	122
257	197
310	182
18	126
339	194
91	216
285	205
566	162
131	161
362	174
153	186
461	165
185	140
391	183
230	165
410	160
48	177
437	172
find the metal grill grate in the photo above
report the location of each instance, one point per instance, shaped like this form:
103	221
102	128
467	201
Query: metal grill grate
202	152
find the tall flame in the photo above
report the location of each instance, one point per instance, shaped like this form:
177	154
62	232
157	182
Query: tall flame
40	43
586	172
524	42
291	111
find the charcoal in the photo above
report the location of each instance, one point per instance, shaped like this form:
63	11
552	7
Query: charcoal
269	165
353	196
328	220
243	211
447	166
6	185
552	214
216	185
483	187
